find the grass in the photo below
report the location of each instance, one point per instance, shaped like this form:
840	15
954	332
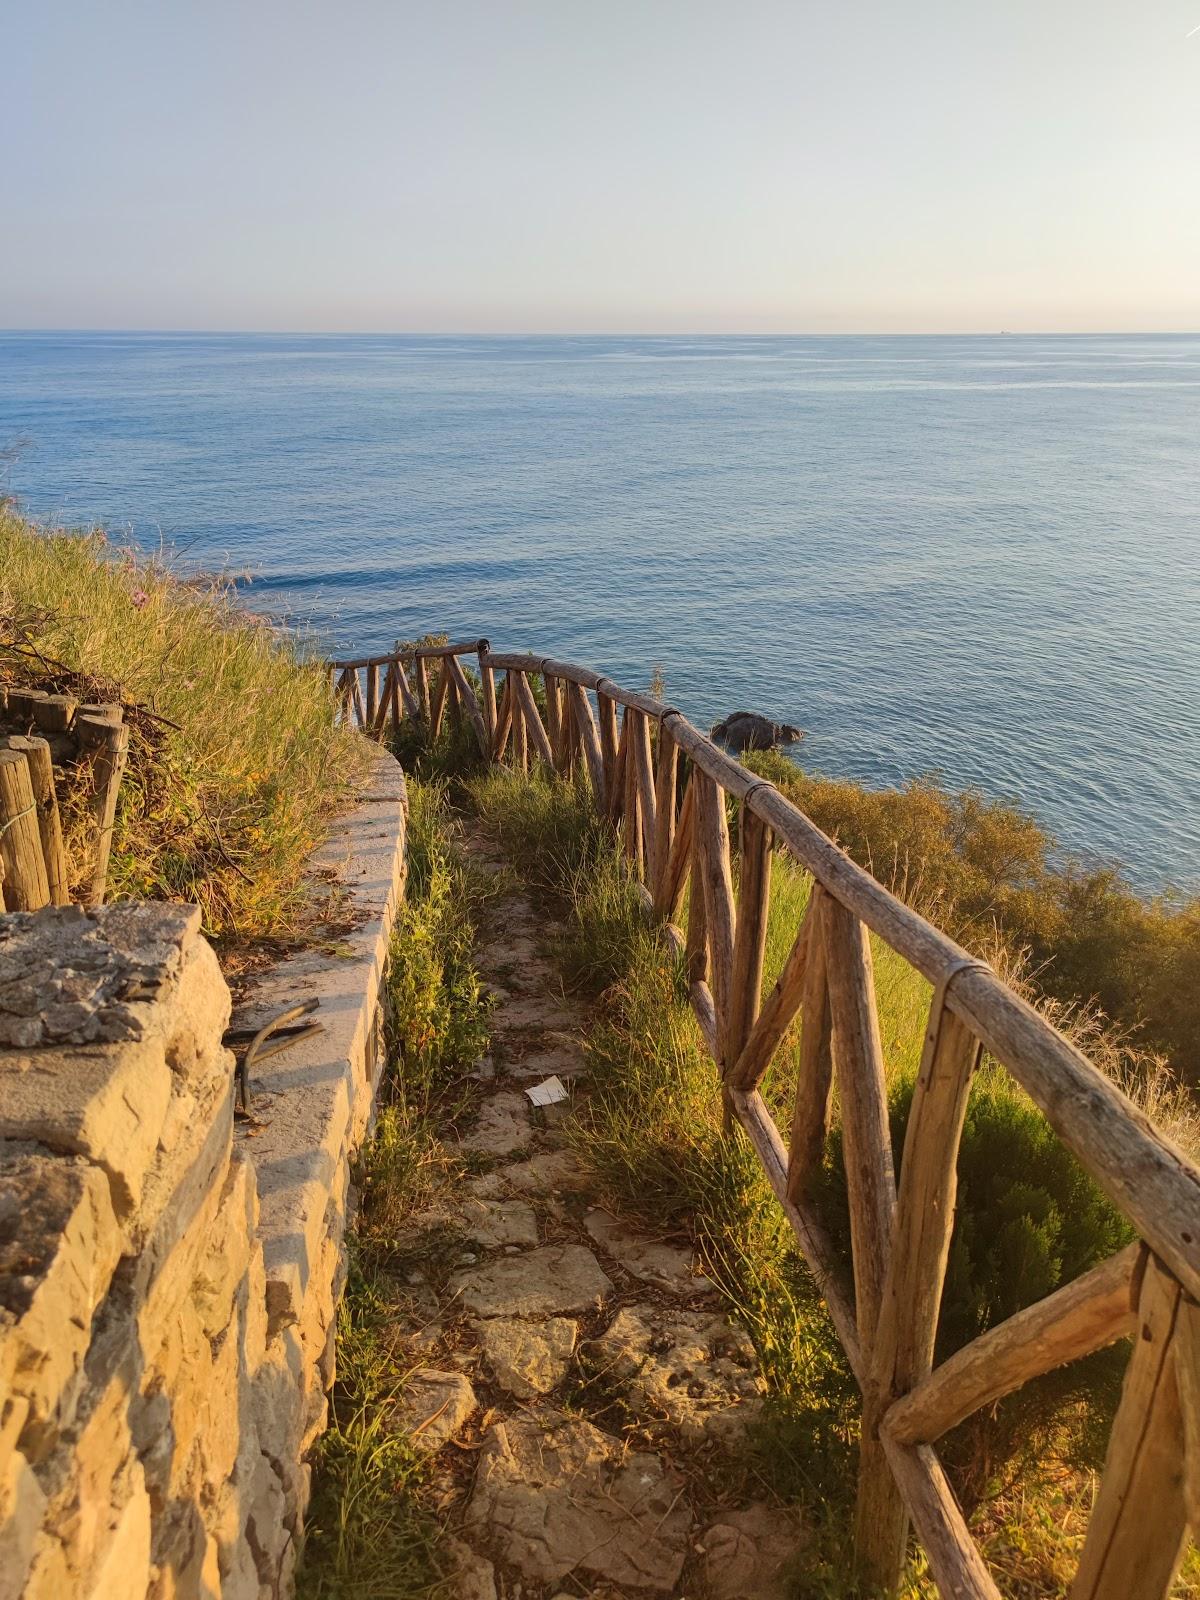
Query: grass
235	765
651	1131
373	1533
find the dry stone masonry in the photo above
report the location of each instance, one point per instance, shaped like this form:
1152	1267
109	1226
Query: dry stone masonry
167	1283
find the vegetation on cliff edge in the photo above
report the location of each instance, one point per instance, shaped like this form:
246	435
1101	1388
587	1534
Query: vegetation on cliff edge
235	763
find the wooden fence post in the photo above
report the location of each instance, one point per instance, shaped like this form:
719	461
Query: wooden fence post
1138	1525
487	681
814	1074
716	878
41	778
750	940
26	886
102	729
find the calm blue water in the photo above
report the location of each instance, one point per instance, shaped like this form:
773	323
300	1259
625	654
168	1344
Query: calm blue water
975	555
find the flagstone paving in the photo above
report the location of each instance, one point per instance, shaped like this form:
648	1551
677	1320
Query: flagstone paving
578	1377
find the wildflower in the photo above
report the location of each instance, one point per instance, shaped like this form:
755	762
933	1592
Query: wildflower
139	599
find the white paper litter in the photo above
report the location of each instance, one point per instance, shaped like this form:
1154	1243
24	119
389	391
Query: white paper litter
547	1093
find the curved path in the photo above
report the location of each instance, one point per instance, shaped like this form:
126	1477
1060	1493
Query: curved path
582	1388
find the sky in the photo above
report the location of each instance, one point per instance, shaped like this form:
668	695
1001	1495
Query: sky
526	166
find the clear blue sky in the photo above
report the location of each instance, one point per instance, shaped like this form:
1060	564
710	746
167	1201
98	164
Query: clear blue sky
553	165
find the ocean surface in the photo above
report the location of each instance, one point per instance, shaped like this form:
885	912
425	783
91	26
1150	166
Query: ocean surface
975	556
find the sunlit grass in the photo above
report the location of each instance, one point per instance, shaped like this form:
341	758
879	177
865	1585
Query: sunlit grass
236	772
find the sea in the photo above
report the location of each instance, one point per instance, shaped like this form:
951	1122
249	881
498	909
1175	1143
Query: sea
971	556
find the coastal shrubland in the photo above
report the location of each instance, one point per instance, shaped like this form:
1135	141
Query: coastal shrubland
235	763
991	875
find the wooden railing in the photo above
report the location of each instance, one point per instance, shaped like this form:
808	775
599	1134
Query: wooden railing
662	784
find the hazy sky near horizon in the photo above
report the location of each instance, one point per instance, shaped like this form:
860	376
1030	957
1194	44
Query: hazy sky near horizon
568	165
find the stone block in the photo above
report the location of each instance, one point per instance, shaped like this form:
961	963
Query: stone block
106	1102
555	1278
59	1244
123	1570
22	1508
70	976
554	1496
528	1358
224	1261
435	1407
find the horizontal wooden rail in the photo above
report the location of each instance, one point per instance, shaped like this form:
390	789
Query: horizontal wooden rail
665	787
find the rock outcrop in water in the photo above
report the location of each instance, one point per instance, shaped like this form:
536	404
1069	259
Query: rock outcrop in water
746	730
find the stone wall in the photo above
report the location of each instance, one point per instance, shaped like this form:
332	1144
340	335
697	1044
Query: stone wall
168	1278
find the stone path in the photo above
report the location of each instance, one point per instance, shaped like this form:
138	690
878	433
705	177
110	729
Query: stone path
578	1382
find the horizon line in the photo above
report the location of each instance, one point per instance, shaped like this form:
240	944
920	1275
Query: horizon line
625	333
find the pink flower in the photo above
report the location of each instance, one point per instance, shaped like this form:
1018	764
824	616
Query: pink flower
139	598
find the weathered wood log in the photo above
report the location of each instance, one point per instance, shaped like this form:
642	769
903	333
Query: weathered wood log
520	731
425	652
777	1011
631	827
606	711
97	730
669	893
399	703
55	713
644	777
422	676
1093	1311
356	697
814	1070
696	948
618	785
716	877
902	1351
23	706
1138	1526
581	709
410	702
571	744
539	742
41	777
706	1014
665	776
438	652
386	694
341	694
818	1250
504	721
437	710
912	1294
959	1570
470	704
372	692
750	938
554	723
1187	1378
862	1087
26	886
487	680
